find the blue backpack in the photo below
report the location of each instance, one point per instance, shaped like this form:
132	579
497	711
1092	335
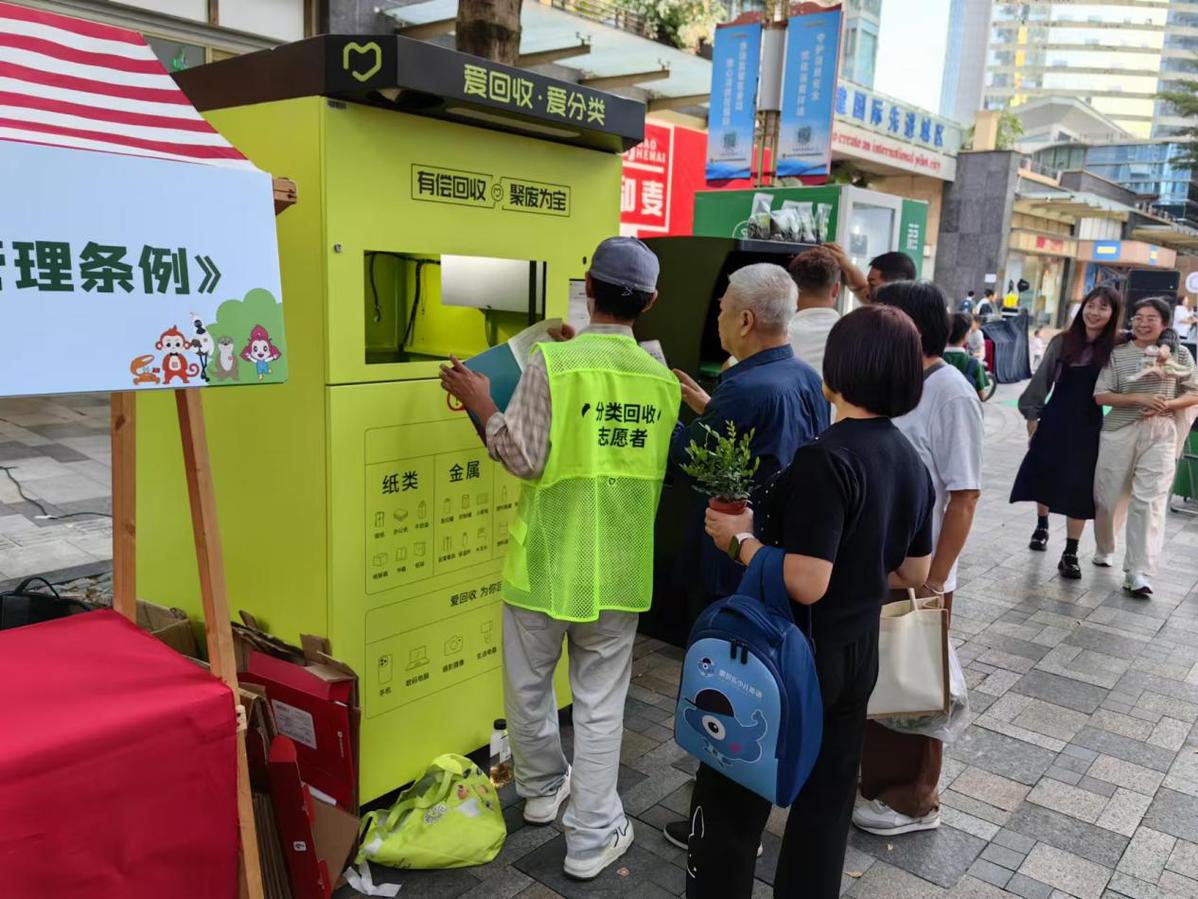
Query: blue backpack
749	704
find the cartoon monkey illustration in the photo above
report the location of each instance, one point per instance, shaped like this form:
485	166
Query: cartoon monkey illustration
202	344
141	371
224	366
260	351
173	344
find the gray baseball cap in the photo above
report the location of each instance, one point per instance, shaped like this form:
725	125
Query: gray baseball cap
626	262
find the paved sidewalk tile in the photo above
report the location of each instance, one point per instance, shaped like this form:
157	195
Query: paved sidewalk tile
1077	778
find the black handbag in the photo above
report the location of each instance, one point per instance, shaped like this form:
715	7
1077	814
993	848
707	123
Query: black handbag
24	605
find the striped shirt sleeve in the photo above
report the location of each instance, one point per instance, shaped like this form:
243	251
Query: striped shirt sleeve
518	438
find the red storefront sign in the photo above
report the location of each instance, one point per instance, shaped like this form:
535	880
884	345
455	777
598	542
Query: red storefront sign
645	187
661	176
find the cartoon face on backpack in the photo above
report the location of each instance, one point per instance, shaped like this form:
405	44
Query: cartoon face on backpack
726	739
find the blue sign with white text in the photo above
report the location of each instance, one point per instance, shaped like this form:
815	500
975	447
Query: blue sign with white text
810	94
735	65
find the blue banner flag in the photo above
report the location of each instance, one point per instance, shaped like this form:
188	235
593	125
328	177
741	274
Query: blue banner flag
736	63
809	95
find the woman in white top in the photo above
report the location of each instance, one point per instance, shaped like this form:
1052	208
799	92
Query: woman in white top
1137	449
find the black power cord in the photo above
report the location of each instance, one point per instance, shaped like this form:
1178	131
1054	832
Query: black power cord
378	311
45	514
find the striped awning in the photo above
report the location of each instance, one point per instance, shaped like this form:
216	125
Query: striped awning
67	82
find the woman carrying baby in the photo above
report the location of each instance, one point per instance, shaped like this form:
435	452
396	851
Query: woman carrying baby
1145	384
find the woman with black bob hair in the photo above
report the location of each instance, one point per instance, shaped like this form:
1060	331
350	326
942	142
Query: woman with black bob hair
1063	424
854	515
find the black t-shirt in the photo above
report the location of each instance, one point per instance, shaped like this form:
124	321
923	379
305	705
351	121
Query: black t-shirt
859	497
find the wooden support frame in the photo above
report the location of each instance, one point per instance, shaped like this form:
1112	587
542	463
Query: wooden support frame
217	623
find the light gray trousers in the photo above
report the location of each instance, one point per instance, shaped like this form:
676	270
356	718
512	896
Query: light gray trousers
600	660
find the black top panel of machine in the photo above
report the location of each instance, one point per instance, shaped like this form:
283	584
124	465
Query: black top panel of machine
412	76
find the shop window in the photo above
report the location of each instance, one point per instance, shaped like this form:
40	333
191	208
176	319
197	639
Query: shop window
420	307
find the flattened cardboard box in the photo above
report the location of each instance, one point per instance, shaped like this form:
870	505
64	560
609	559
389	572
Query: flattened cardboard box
171	626
314	701
316	838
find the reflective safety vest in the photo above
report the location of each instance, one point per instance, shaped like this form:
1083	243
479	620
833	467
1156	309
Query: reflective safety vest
582	536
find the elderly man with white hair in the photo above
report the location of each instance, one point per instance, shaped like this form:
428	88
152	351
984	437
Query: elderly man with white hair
769	392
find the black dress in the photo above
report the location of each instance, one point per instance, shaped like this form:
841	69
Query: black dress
1058	470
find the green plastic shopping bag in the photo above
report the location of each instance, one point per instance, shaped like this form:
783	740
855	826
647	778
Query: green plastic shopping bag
450	818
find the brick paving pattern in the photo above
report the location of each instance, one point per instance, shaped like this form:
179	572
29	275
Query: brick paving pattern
1078	776
58	450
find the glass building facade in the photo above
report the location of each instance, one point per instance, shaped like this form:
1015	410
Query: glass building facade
859	52
1107	54
1147	167
1178	62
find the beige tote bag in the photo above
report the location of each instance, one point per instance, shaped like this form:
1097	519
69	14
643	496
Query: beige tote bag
912	659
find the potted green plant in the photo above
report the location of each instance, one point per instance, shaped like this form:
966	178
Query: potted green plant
723	468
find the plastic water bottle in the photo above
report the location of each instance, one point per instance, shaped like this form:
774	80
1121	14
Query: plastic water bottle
501	755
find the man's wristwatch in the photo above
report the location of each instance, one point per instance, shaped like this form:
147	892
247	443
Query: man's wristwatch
734	547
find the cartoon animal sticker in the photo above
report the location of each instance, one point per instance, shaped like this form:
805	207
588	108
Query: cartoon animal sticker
202	344
224	366
141	371
260	351
173	344
726	739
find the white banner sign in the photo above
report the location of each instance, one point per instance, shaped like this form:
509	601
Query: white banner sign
849	140
122	273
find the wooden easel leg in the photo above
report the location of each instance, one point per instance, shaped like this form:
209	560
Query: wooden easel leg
216	610
124	504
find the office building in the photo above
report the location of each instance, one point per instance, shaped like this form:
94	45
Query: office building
1106	54
1178	62
1150	168
859	53
965	59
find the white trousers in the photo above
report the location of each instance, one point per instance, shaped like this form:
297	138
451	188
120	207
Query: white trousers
1132	481
600	670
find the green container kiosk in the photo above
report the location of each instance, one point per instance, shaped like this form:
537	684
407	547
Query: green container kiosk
866	223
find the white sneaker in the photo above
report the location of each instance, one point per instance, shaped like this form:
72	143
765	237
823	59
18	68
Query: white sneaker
589	869
544	809
1103	560
875	816
1137	585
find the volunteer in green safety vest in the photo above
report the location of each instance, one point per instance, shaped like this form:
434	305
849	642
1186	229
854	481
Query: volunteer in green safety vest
588	428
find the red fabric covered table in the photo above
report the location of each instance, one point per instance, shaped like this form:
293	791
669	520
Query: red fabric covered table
118	767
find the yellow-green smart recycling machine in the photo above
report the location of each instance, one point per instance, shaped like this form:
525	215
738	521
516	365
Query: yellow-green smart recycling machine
444	203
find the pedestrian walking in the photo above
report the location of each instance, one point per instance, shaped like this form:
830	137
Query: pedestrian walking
1137	450
988	306
580	564
900	772
854	516
1064	423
